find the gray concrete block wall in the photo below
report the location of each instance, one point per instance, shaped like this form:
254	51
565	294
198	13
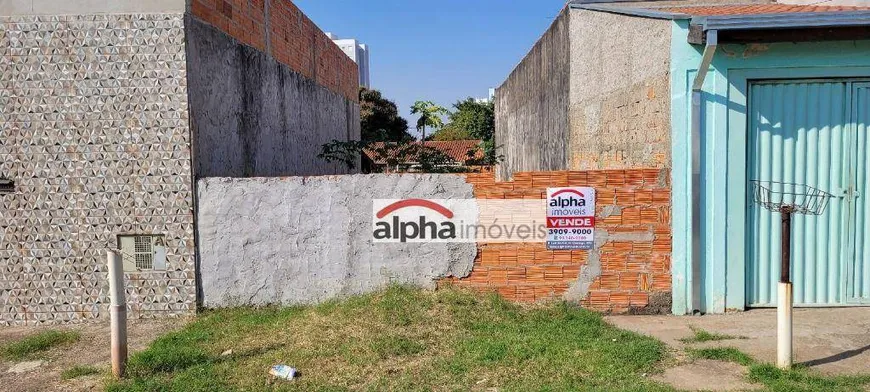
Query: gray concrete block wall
304	240
619	111
253	116
593	93
531	106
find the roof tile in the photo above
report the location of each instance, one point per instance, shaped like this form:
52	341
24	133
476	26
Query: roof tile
756	9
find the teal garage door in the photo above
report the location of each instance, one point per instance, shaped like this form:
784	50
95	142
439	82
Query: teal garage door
813	133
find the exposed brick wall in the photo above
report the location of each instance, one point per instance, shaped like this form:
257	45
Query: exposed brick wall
632	210
280	29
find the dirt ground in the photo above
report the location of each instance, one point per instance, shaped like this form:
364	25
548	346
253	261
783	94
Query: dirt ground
833	341
91	350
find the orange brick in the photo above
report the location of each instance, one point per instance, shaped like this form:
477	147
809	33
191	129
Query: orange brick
615	177
577	178
629	281
634	177
605	197
535	274
639	299
661	282
643	197
525	293
631	216
543	293
553	273
649	215
509	292
600	298
620	299
625	197
609	280
571	271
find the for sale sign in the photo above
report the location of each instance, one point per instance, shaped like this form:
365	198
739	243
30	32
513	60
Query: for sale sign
570	218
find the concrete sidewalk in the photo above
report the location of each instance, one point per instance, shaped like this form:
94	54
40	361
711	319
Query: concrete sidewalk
830	340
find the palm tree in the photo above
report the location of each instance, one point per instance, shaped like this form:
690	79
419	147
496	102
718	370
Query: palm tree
430	116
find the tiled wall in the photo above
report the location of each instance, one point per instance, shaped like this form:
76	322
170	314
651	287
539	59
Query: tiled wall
632	211
94	131
280	29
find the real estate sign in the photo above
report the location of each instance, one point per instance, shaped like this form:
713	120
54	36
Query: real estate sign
570	218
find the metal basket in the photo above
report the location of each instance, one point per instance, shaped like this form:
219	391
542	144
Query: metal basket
790	198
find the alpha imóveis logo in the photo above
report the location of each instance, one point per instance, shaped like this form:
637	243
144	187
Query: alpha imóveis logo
421	220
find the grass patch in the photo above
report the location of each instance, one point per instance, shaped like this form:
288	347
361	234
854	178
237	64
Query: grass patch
777	380
32	345
802	379
727	354
700	336
400	339
78	371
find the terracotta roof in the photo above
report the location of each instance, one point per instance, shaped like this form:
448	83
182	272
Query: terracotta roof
758	9
456	150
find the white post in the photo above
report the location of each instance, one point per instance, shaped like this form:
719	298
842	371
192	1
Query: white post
784	336
118	312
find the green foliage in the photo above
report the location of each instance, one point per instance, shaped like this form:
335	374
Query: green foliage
380	119
401	339
430	116
393	154
40	342
700	336
450	133
78	371
477	119
347	153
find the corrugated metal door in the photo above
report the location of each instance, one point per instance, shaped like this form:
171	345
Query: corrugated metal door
858	266
799	134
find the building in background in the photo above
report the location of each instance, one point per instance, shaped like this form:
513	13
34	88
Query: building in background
458	154
111	111
359	53
490	97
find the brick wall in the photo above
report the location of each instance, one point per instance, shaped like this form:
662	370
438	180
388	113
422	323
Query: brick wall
280	29
633	216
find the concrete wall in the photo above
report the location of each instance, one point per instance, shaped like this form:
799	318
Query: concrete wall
620	95
280	29
305	240
254	116
95	135
531	106
593	93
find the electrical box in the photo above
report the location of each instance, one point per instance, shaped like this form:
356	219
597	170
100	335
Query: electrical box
143	252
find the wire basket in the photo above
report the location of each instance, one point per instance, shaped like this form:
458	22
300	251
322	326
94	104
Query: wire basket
791	198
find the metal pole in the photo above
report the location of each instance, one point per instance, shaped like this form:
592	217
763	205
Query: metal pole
118	312
784	316
697	128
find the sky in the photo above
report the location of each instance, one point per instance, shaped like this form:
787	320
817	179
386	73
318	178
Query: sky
441	51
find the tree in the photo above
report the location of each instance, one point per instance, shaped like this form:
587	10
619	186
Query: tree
380	118
451	132
430	116
477	119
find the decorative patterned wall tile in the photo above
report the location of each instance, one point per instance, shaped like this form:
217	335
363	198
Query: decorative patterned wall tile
94	131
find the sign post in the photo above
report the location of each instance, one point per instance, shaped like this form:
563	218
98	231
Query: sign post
570	218
787	199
